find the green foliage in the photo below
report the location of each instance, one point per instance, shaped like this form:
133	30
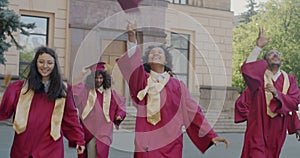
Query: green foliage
24	68
250	12
243	42
281	21
9	23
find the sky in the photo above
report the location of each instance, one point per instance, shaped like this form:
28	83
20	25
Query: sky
239	6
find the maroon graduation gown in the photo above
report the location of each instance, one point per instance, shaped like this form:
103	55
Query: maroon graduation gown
95	124
165	139
128	4
36	140
293	122
264	135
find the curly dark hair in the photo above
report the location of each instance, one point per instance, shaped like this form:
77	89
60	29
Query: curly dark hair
90	79
168	66
57	89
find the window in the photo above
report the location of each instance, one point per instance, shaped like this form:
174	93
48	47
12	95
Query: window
179	1
181	56
37	37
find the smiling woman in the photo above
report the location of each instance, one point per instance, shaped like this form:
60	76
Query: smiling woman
163	103
45	65
158	58
42	102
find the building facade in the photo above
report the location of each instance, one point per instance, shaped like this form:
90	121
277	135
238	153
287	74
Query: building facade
86	31
52	29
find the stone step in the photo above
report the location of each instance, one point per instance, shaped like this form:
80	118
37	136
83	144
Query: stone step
229	127
130	127
218	116
223	122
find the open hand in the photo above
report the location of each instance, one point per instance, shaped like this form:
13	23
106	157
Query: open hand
80	149
216	140
131	31
261	40
119	119
298	134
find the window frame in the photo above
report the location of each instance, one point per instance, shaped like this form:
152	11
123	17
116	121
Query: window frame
48	36
179	2
188	55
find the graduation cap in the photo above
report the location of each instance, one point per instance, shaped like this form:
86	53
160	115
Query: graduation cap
128	4
100	66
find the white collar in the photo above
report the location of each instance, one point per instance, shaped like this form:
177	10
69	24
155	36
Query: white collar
274	76
158	76
100	89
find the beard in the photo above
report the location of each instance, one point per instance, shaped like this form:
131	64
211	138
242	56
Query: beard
277	65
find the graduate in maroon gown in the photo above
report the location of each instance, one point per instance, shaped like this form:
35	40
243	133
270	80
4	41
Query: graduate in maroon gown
242	107
43	110
268	104
100	107
164	105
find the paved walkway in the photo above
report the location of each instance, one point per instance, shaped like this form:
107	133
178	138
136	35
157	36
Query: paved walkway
123	145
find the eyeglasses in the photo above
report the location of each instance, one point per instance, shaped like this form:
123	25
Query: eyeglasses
274	52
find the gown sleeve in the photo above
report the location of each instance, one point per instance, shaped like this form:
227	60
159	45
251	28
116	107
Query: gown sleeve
197	127
71	126
133	71
10	99
121	107
293	122
286	103
241	109
253	74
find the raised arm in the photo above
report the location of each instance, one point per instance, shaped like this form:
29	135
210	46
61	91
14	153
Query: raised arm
131	65
81	76
131	31
253	70
261	42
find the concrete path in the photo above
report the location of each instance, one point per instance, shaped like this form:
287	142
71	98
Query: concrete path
122	146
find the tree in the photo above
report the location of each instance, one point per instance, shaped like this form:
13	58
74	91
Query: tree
250	12
281	20
10	23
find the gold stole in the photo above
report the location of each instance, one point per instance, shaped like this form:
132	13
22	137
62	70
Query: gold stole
22	111
153	90
269	95
91	103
